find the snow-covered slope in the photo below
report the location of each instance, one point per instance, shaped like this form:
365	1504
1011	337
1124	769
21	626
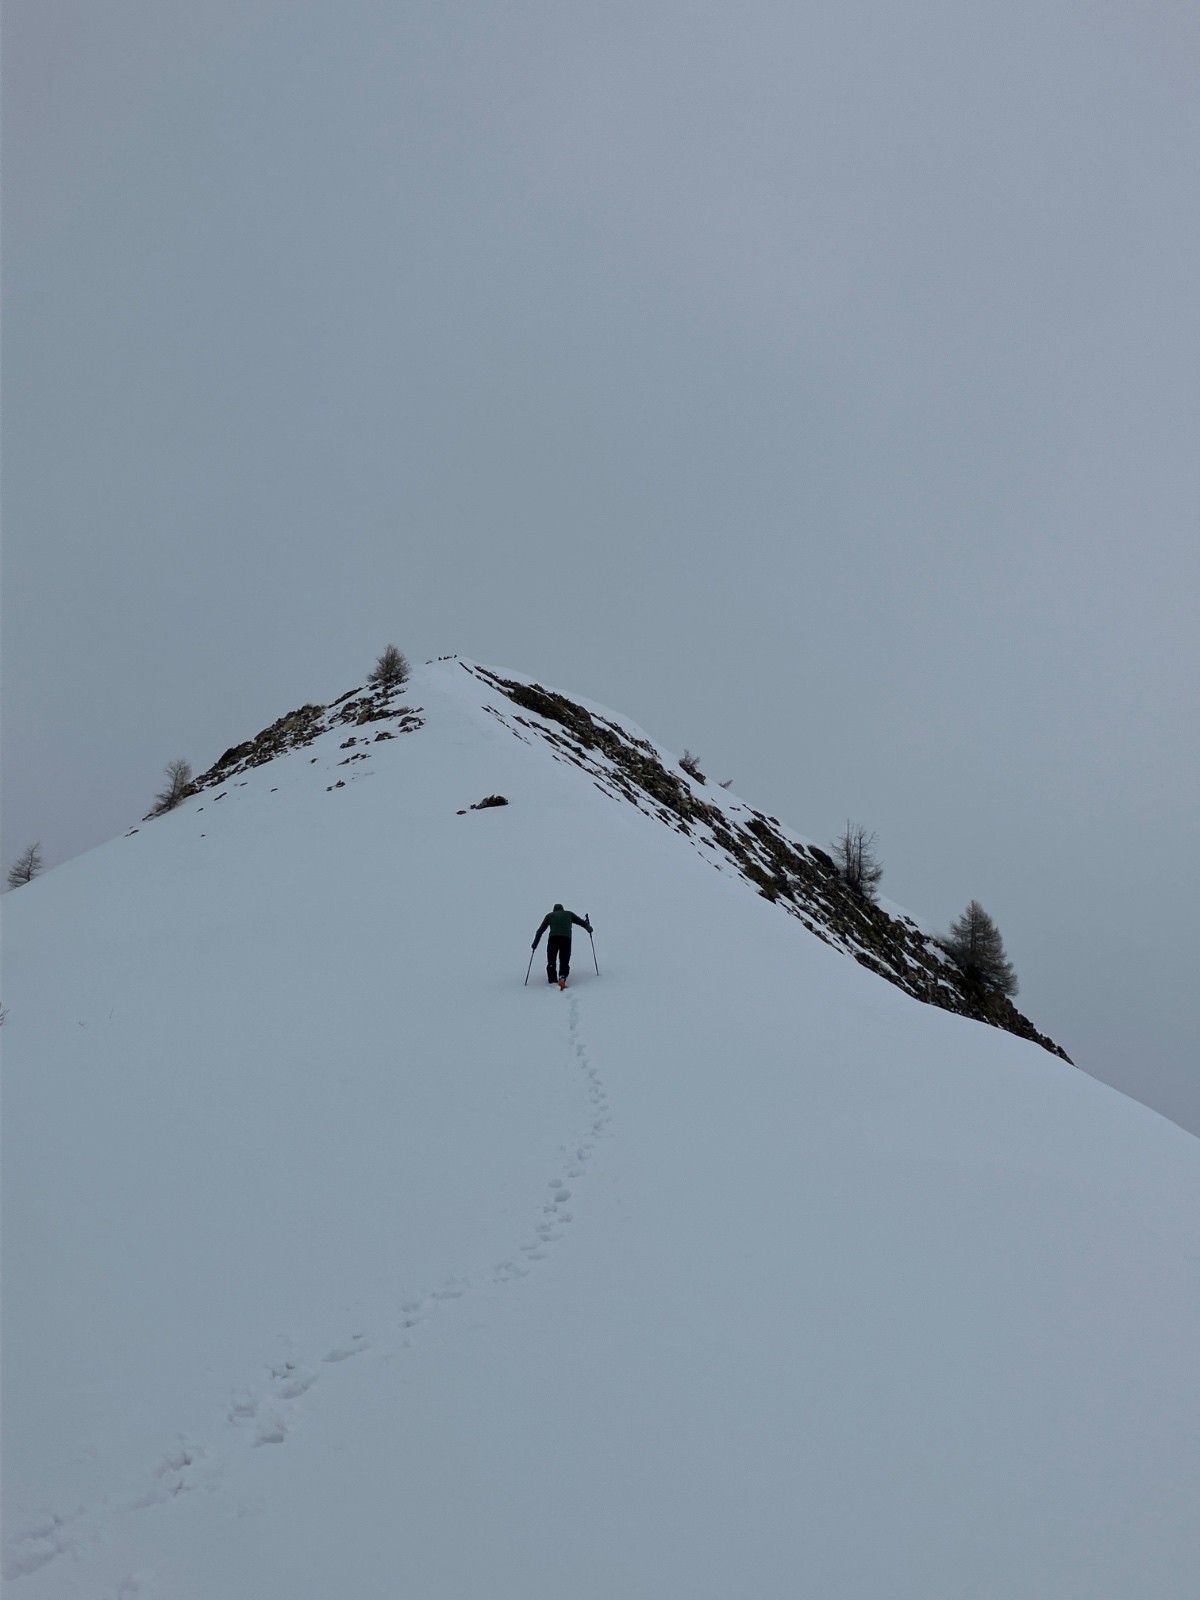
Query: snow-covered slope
337	1261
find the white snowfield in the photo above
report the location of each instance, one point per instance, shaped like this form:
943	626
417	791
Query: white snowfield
338	1262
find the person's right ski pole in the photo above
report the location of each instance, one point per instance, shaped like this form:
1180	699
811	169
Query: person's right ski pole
529	968
588	920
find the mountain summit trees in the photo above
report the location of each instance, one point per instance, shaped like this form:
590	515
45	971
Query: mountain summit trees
391	669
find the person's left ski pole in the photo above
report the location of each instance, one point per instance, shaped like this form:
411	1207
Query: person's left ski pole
587	918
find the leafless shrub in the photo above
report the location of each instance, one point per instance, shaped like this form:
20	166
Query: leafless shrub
26	867
854	853
177	787
391	669
691	765
974	942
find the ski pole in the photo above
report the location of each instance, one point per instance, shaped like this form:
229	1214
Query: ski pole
529	968
588	920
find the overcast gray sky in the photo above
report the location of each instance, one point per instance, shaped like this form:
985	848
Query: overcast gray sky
817	384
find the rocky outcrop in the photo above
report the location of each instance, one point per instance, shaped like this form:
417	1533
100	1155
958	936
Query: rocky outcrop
356	708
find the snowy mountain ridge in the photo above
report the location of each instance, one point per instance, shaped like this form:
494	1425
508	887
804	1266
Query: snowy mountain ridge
338	1260
784	867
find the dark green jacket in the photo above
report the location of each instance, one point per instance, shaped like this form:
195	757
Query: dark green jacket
560	922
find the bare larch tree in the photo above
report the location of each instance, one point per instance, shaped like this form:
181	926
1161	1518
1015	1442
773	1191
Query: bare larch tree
854	852
27	866
176	788
391	669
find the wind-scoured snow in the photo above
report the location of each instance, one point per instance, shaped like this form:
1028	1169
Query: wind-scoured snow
339	1261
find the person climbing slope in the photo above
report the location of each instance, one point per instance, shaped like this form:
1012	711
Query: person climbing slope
558	945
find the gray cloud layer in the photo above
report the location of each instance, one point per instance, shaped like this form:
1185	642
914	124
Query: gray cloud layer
816	385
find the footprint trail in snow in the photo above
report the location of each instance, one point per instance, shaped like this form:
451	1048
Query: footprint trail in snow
265	1413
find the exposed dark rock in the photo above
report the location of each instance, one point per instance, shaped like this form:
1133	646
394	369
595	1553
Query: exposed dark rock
301	727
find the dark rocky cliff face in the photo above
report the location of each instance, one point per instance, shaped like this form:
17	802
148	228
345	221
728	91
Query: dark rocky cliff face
799	878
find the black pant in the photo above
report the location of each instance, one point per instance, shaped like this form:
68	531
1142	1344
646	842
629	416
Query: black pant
558	950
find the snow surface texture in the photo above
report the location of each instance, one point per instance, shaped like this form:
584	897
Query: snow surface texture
339	1262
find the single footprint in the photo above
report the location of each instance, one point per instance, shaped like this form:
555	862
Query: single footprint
295	1384
414	1313
185	1456
343	1352
242	1408
134	1584
271	1430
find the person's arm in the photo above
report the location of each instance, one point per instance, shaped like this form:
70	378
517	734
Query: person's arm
581	922
538	936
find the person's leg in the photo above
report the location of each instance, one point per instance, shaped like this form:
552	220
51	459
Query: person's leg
564	957
552	941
